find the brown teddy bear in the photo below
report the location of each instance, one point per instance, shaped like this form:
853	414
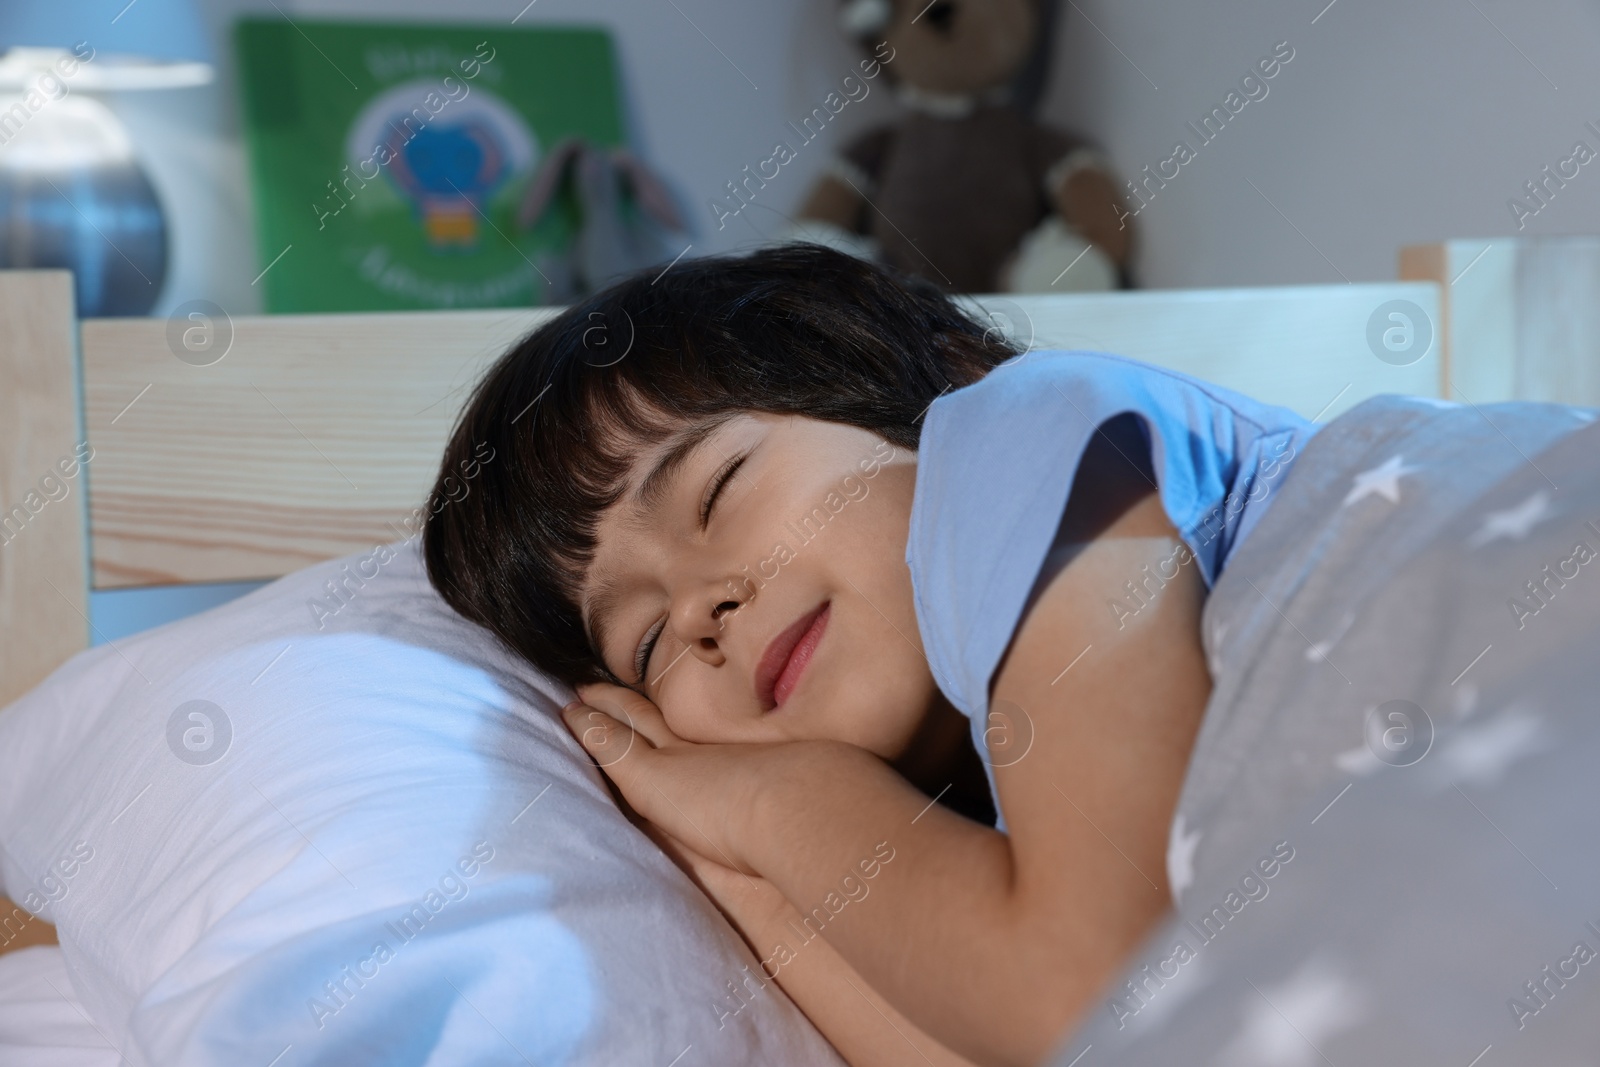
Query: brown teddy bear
968	190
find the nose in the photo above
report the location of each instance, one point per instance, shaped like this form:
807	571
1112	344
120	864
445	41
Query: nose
701	623
941	14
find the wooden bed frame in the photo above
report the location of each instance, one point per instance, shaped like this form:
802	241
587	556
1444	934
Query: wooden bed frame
252	447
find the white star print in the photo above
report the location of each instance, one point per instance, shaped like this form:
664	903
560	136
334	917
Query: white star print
1384	480
1481	753
1513	522
1360	761
1319	651
1289	1024
1180	857
1219	631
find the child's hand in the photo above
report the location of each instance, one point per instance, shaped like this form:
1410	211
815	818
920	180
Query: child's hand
748	901
698	794
737	894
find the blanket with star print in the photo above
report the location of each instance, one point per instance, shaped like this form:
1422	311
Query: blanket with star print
1384	851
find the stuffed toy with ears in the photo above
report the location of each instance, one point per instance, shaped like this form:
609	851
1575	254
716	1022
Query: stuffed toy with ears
627	218
968	190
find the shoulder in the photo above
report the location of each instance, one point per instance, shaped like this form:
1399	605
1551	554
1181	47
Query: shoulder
994	465
997	461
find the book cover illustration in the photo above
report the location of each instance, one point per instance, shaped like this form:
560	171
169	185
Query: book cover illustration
389	161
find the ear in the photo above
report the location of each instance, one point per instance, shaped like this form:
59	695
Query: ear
546	180
861	19
648	190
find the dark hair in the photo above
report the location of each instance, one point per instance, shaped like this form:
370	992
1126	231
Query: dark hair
550	433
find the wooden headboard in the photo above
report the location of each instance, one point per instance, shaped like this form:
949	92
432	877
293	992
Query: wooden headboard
248	448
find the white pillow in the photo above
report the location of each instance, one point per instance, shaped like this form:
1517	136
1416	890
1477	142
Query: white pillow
335	822
42	1024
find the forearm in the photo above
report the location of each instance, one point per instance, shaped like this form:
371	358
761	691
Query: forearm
865	1029
946	903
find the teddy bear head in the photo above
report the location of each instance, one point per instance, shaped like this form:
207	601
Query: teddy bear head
953	46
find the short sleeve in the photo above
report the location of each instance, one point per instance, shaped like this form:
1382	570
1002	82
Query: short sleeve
996	462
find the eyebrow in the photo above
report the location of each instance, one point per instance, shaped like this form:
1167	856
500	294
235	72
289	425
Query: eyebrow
647	497
684	444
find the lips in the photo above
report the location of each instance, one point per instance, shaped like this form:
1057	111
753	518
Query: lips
787	655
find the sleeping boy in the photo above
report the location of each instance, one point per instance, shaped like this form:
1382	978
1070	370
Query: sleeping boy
887	631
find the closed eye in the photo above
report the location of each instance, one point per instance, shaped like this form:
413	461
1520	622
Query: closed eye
718	481
647	648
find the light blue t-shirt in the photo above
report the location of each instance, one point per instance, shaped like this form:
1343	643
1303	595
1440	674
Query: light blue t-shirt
996	460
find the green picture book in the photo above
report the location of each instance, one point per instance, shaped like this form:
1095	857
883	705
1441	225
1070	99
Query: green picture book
389	161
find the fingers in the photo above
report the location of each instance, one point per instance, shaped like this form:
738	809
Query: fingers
726	886
628	766
681	854
605	738
630	707
606	696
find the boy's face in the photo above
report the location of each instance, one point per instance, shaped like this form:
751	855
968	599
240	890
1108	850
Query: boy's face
789	615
